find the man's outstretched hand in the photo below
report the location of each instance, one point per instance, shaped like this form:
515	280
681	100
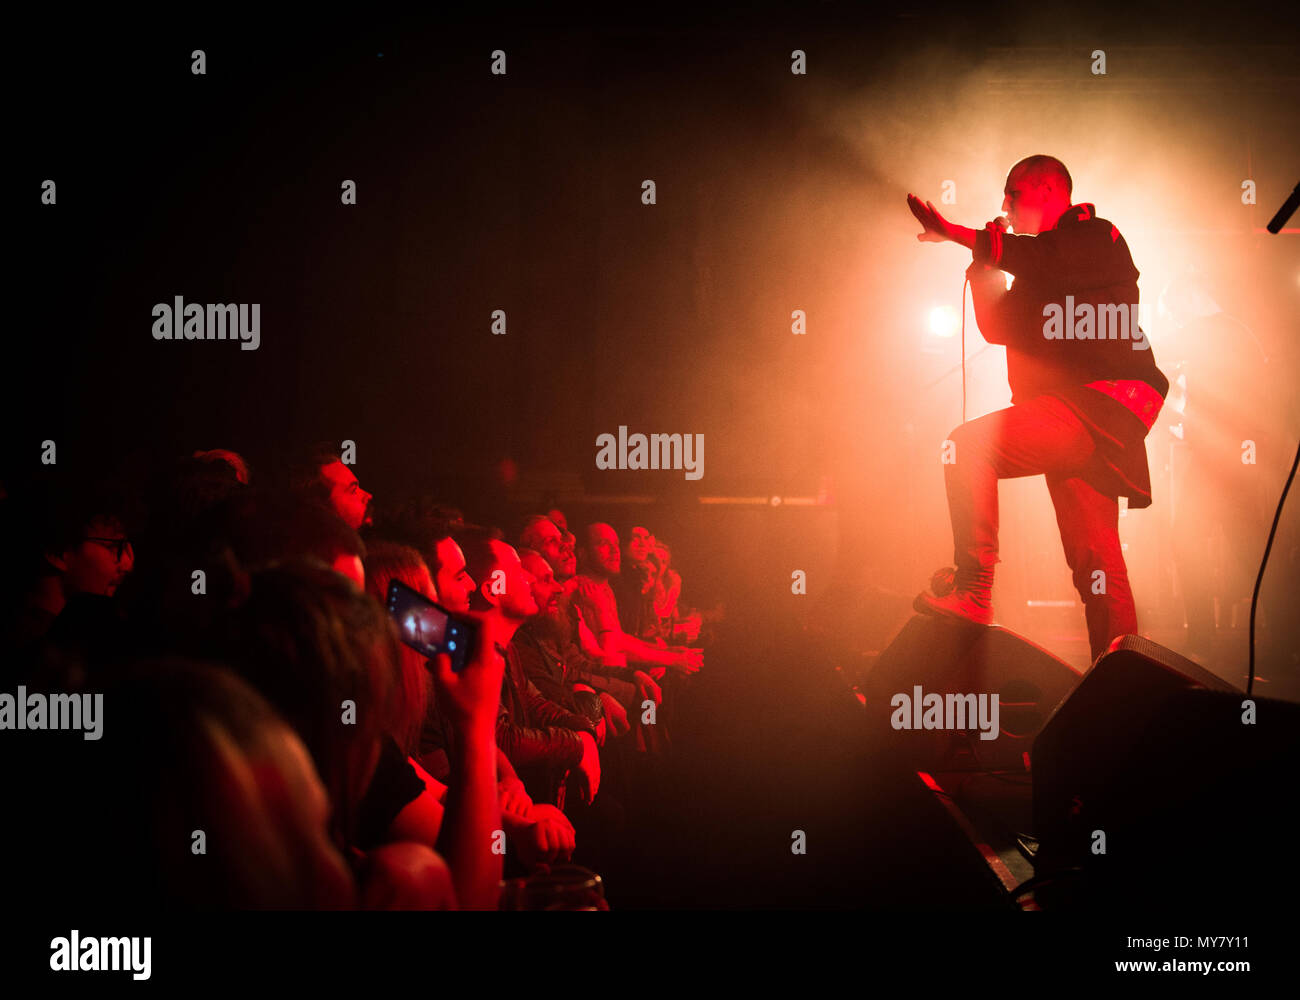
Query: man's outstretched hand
937	229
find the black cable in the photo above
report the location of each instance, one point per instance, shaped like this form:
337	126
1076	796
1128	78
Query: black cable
964	285
1259	580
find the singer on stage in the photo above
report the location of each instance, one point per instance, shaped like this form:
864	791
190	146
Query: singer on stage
1083	400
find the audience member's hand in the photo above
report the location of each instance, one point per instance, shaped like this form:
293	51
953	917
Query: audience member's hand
470	699
614	714
689	661
689	627
514	798
550	838
588	772
600	733
646	688
657	673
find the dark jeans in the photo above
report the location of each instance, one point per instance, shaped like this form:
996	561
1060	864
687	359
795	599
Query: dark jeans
1042	437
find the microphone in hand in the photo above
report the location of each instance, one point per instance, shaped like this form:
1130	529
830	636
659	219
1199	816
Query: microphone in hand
1000	224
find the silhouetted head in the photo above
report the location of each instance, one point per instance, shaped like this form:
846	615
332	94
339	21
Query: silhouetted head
323	475
1038	191
601	553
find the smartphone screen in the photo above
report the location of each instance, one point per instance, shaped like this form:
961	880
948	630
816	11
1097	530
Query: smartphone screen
428	628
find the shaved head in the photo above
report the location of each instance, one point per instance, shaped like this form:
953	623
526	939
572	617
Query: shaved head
1037	193
601	551
1040	170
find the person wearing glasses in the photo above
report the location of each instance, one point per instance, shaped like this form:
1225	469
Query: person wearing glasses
80	555
100	560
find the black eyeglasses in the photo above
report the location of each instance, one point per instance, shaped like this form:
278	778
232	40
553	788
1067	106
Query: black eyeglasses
117	545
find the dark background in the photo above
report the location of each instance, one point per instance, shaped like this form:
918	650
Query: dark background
522	192
478	192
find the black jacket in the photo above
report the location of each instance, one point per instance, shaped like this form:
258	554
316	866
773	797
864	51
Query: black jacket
1083	261
537	736
552	674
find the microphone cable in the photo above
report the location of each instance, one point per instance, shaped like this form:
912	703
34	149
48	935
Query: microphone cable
1259	580
965	284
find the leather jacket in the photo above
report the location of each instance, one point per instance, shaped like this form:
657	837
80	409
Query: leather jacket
538	736
554	677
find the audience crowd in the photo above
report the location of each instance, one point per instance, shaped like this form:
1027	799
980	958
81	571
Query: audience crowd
267	741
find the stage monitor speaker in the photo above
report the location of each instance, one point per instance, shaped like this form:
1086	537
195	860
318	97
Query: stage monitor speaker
946	657
1159	755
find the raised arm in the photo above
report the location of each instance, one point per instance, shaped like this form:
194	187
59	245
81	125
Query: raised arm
471	700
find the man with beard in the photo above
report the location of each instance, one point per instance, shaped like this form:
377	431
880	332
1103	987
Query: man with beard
543	536
549	661
324	477
573	640
542	739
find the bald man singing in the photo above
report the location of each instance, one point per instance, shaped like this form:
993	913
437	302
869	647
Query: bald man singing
1085	391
